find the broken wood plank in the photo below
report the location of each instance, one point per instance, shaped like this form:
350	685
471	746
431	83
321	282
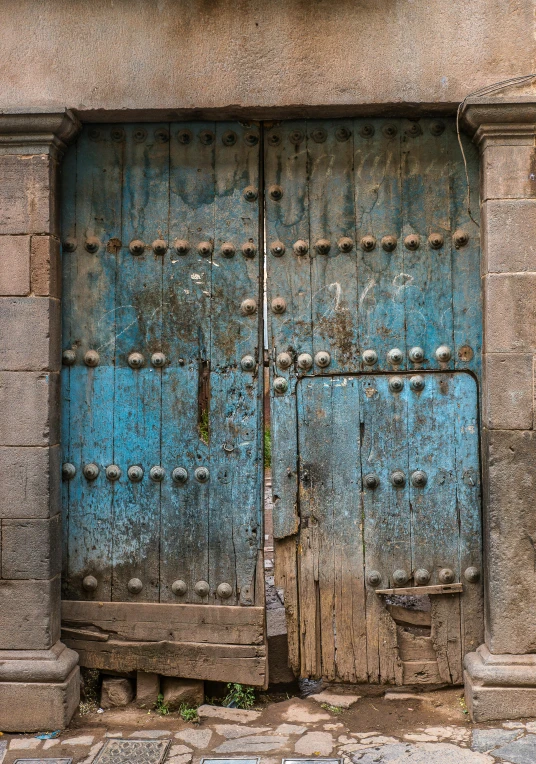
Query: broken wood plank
92	636
412	617
421	672
414	647
421	590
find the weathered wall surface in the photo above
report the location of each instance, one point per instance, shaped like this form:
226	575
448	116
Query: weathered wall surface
175	55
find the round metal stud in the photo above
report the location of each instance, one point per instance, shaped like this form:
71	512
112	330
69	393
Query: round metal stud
92	244
417	383
419	479
396	384
390	130
323	246
412	241
249	249
370	357
250	194
305	361
443	353
68	357
421	577
460	238
251	139
134	586
277	248
395	356
319	135
248	307
345	244
224	591
179	588
414	130
248	363
136	247
68	471
91	358
90	471
322	359
416	355
280	385
157	473
136	360
139	135
371	481
135	473
436	240
472	575
181	246
201	474
184	137
206	137
94	134
204	248
437	128
159	247
398	479
228	249
202	589
158	360
69	245
284	360
275	193
279	305
113	472
300	247
400	577
229	138
368	243
274	139
446	576
179	475
161	135
366	131
389	243
342	134
374	578
90	583
296	137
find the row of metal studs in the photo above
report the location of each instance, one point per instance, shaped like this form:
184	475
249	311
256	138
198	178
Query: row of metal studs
179	588
422	576
342	133
184	136
395	356
368	243
135	473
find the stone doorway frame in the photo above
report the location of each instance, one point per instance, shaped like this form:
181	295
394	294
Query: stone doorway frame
39	677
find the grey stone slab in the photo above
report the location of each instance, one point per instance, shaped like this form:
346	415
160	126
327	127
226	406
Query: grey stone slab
420	753
43	761
30	406
27	195
311	761
31	549
487	740
29	482
30	331
133	752
230	761
521	751
510	313
29	614
508	391
14	265
253	744
3	747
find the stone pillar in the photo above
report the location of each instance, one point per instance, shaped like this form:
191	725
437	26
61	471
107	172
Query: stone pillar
39	676
500	677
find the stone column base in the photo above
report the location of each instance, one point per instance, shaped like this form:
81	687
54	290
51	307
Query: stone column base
499	686
39	689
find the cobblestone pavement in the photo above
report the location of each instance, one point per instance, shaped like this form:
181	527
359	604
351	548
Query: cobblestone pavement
383	729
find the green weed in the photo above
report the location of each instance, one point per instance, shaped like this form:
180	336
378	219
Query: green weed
239	695
161	707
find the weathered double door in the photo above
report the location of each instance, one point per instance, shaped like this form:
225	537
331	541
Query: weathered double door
374	321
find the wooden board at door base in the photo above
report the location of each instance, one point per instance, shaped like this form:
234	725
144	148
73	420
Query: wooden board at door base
375	328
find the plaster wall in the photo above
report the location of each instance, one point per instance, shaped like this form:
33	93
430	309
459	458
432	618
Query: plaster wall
173	56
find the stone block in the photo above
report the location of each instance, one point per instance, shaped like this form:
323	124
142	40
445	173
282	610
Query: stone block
45	266
508	391
509	171
30	334
34	707
27	194
510	313
147	689
31	549
177	692
116	692
511	540
29	614
30	408
14	265
29	482
508	231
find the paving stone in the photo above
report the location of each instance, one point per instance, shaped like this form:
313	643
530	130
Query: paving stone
487	740
50	744
151	734
402	696
81	740
197	738
514	725
365	734
416	737
24	744
185	758
521	751
335	699
232	731
113	734
421	753
94	750
345	739
299	711
255	744
177	750
291	729
530	726
336	726
352	747
378	740
232	714
457	734
40	761
315	743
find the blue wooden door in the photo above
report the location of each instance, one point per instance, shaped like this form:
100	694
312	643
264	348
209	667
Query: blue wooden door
161	399
375	340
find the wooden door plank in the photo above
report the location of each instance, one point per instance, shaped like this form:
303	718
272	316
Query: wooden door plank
91	284
286	578
137	402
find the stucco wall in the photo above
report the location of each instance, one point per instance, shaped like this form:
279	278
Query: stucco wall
174	55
